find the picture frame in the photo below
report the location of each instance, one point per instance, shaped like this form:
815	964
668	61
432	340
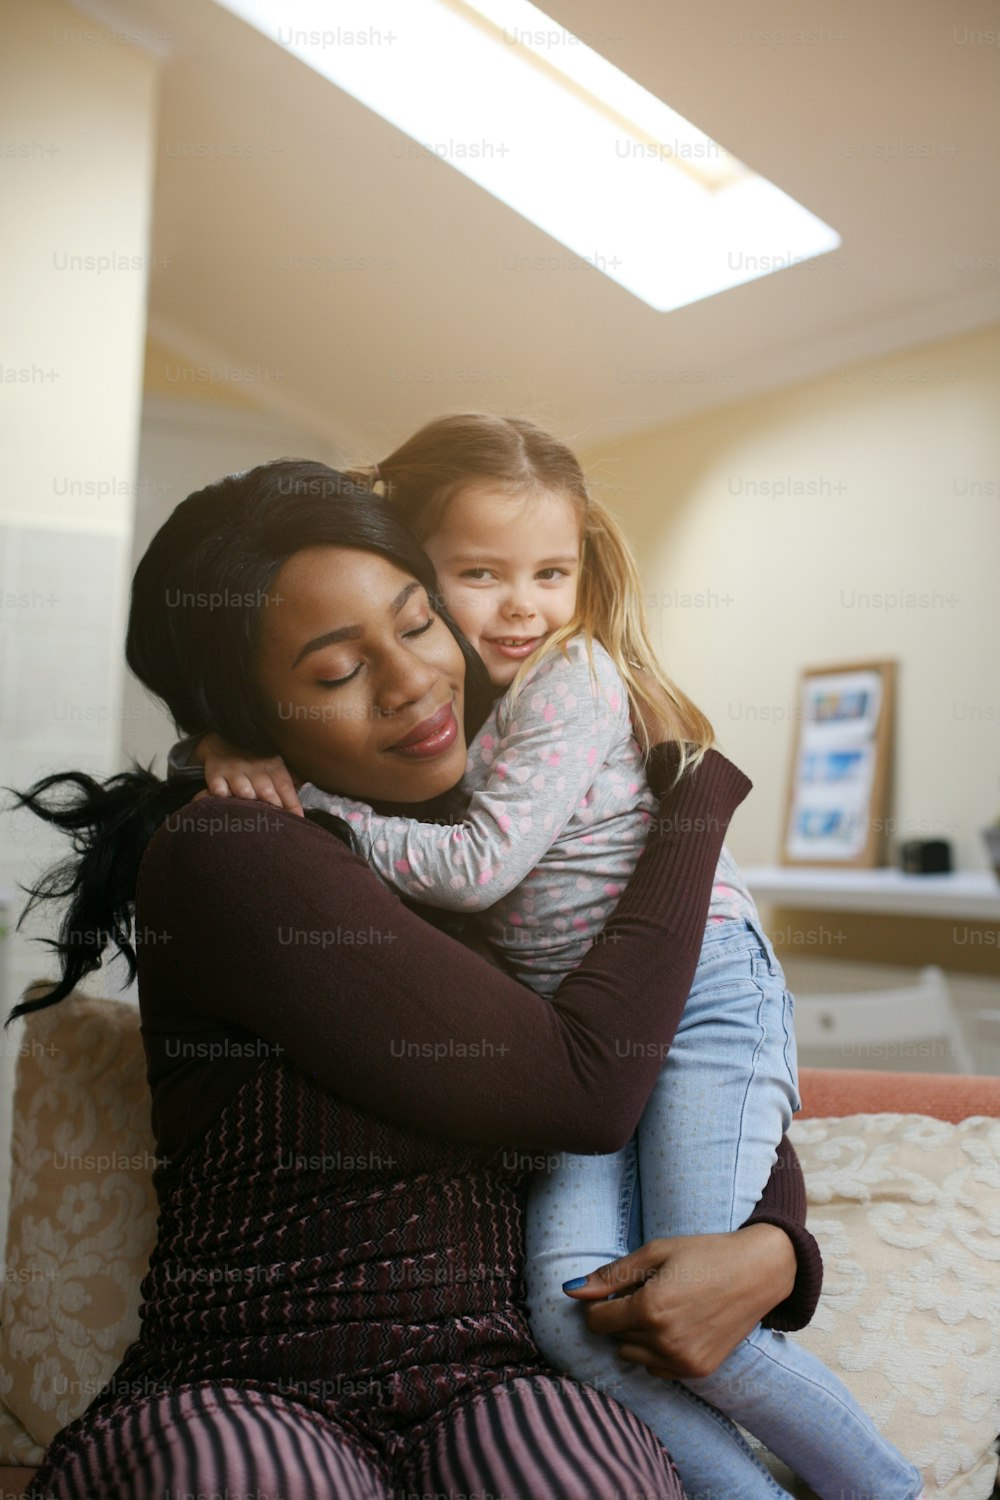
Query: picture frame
838	788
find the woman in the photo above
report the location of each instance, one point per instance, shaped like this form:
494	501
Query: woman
346	1101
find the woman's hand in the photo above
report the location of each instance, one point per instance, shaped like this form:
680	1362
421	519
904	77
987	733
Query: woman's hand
680	1306
231	773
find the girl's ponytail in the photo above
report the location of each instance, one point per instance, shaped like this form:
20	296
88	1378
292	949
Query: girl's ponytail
110	824
365	476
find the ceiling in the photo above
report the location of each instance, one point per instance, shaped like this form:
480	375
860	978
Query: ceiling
364	287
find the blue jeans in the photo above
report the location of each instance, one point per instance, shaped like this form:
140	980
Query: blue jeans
698	1165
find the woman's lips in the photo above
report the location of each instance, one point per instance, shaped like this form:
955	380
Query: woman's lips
524	646
430	737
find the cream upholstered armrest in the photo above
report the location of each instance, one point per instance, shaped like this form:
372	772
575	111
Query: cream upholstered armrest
82	1217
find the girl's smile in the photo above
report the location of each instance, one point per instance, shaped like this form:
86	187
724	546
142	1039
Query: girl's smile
517	647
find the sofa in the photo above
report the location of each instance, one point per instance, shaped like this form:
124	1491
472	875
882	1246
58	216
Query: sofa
903	1179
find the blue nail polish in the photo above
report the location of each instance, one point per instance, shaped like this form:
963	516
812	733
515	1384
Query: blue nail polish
572	1286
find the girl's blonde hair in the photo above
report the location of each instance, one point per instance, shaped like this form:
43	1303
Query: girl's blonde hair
424	475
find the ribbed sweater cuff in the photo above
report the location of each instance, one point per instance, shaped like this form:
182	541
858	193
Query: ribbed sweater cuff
678	854
798	1307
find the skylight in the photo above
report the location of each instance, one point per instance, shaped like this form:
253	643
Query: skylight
500	92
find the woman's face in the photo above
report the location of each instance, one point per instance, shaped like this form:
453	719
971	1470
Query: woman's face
367	683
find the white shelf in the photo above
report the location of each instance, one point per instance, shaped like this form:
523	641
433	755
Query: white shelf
973	895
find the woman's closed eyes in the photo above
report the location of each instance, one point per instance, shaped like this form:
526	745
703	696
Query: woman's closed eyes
332	682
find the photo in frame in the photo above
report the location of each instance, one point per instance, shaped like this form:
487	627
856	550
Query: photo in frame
837	805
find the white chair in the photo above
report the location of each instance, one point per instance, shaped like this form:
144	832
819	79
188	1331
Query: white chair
913	1029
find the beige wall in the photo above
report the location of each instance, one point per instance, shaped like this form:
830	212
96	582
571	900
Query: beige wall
170	375
76	252
851	517
77	110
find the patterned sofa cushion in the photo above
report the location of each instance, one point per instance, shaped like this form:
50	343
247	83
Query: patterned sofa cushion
18	1448
82	1209
906	1210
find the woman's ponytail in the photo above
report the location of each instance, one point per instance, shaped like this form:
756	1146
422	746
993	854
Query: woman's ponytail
110	824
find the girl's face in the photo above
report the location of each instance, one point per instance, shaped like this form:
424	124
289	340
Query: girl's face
509	569
367	683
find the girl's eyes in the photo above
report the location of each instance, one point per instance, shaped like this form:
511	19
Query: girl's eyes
545	574
331	682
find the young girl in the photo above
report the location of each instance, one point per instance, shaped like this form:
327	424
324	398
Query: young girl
541	581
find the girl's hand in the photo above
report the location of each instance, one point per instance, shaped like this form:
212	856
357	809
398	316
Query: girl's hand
231	773
681	1306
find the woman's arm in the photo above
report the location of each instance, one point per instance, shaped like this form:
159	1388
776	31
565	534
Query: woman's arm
271	924
530	1082
567	719
680	1306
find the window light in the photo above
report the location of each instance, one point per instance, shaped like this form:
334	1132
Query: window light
497	90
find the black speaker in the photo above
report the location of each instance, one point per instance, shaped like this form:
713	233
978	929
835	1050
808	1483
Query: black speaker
925	857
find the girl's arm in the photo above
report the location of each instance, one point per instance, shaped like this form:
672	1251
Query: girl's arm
273	925
564	725
182	758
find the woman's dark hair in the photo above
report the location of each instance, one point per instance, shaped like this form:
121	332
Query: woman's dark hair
193	631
